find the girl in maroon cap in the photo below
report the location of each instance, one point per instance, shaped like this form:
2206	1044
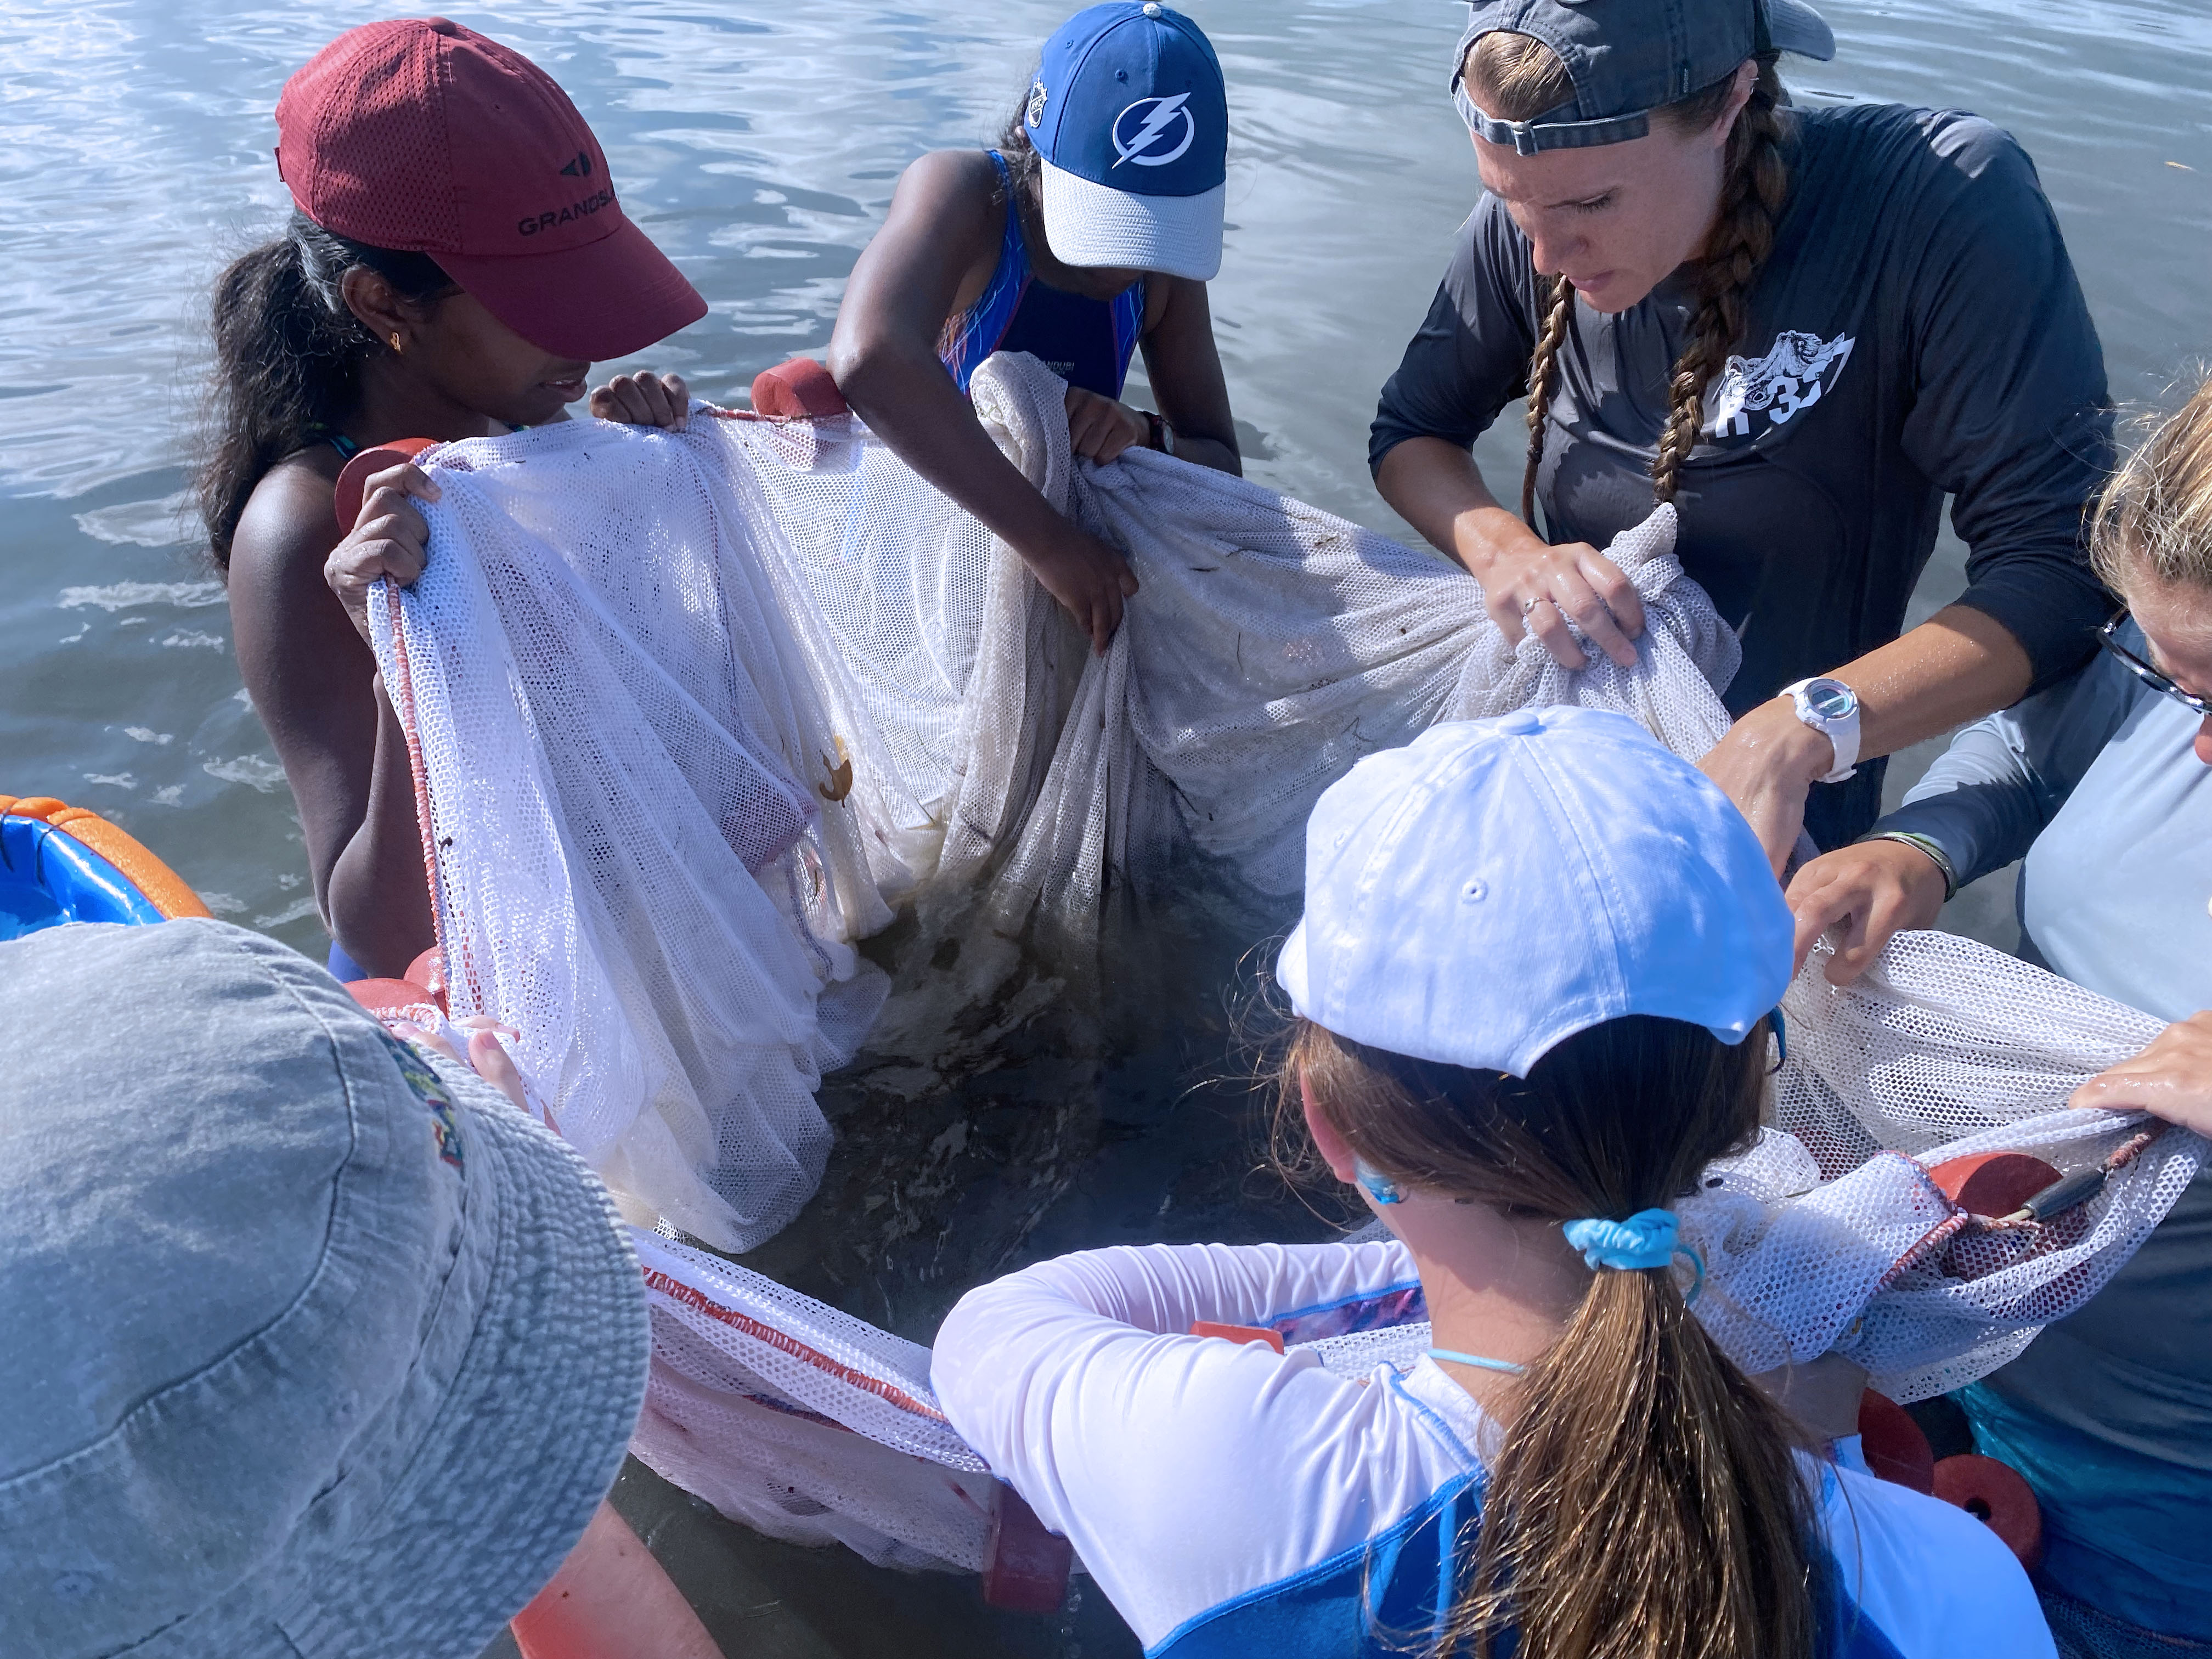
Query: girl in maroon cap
456	261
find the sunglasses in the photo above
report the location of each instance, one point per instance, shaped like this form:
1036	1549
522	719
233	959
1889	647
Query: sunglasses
2108	636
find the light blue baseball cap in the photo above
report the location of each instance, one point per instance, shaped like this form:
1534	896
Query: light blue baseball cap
316	1347
1130	116
1497	885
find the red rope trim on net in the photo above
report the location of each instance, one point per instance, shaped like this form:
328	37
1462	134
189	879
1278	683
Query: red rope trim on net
676	1291
403	706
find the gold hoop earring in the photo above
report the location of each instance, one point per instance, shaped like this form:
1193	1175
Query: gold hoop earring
395	343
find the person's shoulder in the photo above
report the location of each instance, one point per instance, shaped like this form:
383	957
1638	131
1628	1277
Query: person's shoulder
288	519
1936	1580
965	172
1946	150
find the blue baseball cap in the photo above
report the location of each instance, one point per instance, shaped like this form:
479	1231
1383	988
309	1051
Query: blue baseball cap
1130	118
1629	57
1497	885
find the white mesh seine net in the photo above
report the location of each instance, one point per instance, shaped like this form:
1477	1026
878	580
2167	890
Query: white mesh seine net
693	712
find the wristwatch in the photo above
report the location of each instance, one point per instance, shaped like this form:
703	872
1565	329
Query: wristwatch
1162	435
1831	708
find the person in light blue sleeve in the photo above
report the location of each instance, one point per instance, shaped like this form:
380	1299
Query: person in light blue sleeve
1533	984
2102	786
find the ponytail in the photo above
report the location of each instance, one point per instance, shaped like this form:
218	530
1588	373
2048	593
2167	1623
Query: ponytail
1646	1499
287	355
1517	77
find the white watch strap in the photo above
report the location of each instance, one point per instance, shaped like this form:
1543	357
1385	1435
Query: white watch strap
1842	733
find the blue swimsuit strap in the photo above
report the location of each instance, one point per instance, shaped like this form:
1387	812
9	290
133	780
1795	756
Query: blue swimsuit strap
974	335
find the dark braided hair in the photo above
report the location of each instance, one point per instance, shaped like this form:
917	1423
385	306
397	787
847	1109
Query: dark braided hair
1516	77
1543	375
288	357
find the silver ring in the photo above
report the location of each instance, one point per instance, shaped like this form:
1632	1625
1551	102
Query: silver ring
1527	605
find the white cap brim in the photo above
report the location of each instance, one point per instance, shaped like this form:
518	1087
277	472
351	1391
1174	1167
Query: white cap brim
1092	224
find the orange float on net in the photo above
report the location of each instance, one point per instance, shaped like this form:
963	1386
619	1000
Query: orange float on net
1997	1495
1892	1444
1025	1567
1992	1184
429	971
390	999
1240	1333
801	389
352	478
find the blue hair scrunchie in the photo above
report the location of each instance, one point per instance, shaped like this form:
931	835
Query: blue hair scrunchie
1646	1239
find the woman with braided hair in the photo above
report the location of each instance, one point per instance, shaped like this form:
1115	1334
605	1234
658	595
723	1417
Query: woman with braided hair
1804	329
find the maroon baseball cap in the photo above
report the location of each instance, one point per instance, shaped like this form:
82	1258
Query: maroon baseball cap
422	136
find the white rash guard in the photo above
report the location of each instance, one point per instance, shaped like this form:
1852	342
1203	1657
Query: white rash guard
1229	1499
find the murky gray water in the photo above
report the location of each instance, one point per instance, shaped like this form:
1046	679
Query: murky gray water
758	143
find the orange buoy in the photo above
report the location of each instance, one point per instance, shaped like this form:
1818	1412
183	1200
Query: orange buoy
801	389
1892	1444
429	971
1992	1184
1025	1567
388	999
1997	1495
352	478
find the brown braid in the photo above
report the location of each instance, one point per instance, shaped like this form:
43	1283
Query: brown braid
1543	375
1516	77
1753	186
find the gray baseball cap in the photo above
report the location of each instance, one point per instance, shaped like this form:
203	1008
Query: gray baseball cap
314	1346
1628	57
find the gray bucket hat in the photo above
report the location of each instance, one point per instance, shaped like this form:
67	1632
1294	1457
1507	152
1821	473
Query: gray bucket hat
313	1347
1628	57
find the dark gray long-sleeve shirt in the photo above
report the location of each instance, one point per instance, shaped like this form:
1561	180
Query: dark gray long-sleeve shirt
1916	331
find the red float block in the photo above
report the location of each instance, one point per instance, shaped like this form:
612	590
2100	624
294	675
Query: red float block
1992	1184
1995	1494
1892	1444
1025	1567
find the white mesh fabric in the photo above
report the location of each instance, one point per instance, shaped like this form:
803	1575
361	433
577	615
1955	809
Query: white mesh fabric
801	1421
771	1341
639	663
611	732
1943	1049
694	711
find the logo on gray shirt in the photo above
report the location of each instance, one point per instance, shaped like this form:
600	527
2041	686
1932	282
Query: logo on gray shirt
1788	381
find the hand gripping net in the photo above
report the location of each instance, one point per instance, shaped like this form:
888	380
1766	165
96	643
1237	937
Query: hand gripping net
693	712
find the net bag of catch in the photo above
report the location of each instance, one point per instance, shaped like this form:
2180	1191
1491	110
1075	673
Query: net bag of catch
693	713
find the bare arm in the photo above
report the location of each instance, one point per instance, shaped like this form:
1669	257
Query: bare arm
1958	665
1184	366
1436	487
884	357
312	680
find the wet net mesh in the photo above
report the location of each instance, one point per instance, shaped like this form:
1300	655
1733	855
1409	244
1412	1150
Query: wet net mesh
693	713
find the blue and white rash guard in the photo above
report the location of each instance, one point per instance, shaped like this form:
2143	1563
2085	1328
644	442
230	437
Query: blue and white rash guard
1232	1500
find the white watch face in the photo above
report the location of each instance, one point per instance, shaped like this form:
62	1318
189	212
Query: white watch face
1831	700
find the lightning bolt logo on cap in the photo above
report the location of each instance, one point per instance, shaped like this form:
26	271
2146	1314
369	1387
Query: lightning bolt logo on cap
1158	122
